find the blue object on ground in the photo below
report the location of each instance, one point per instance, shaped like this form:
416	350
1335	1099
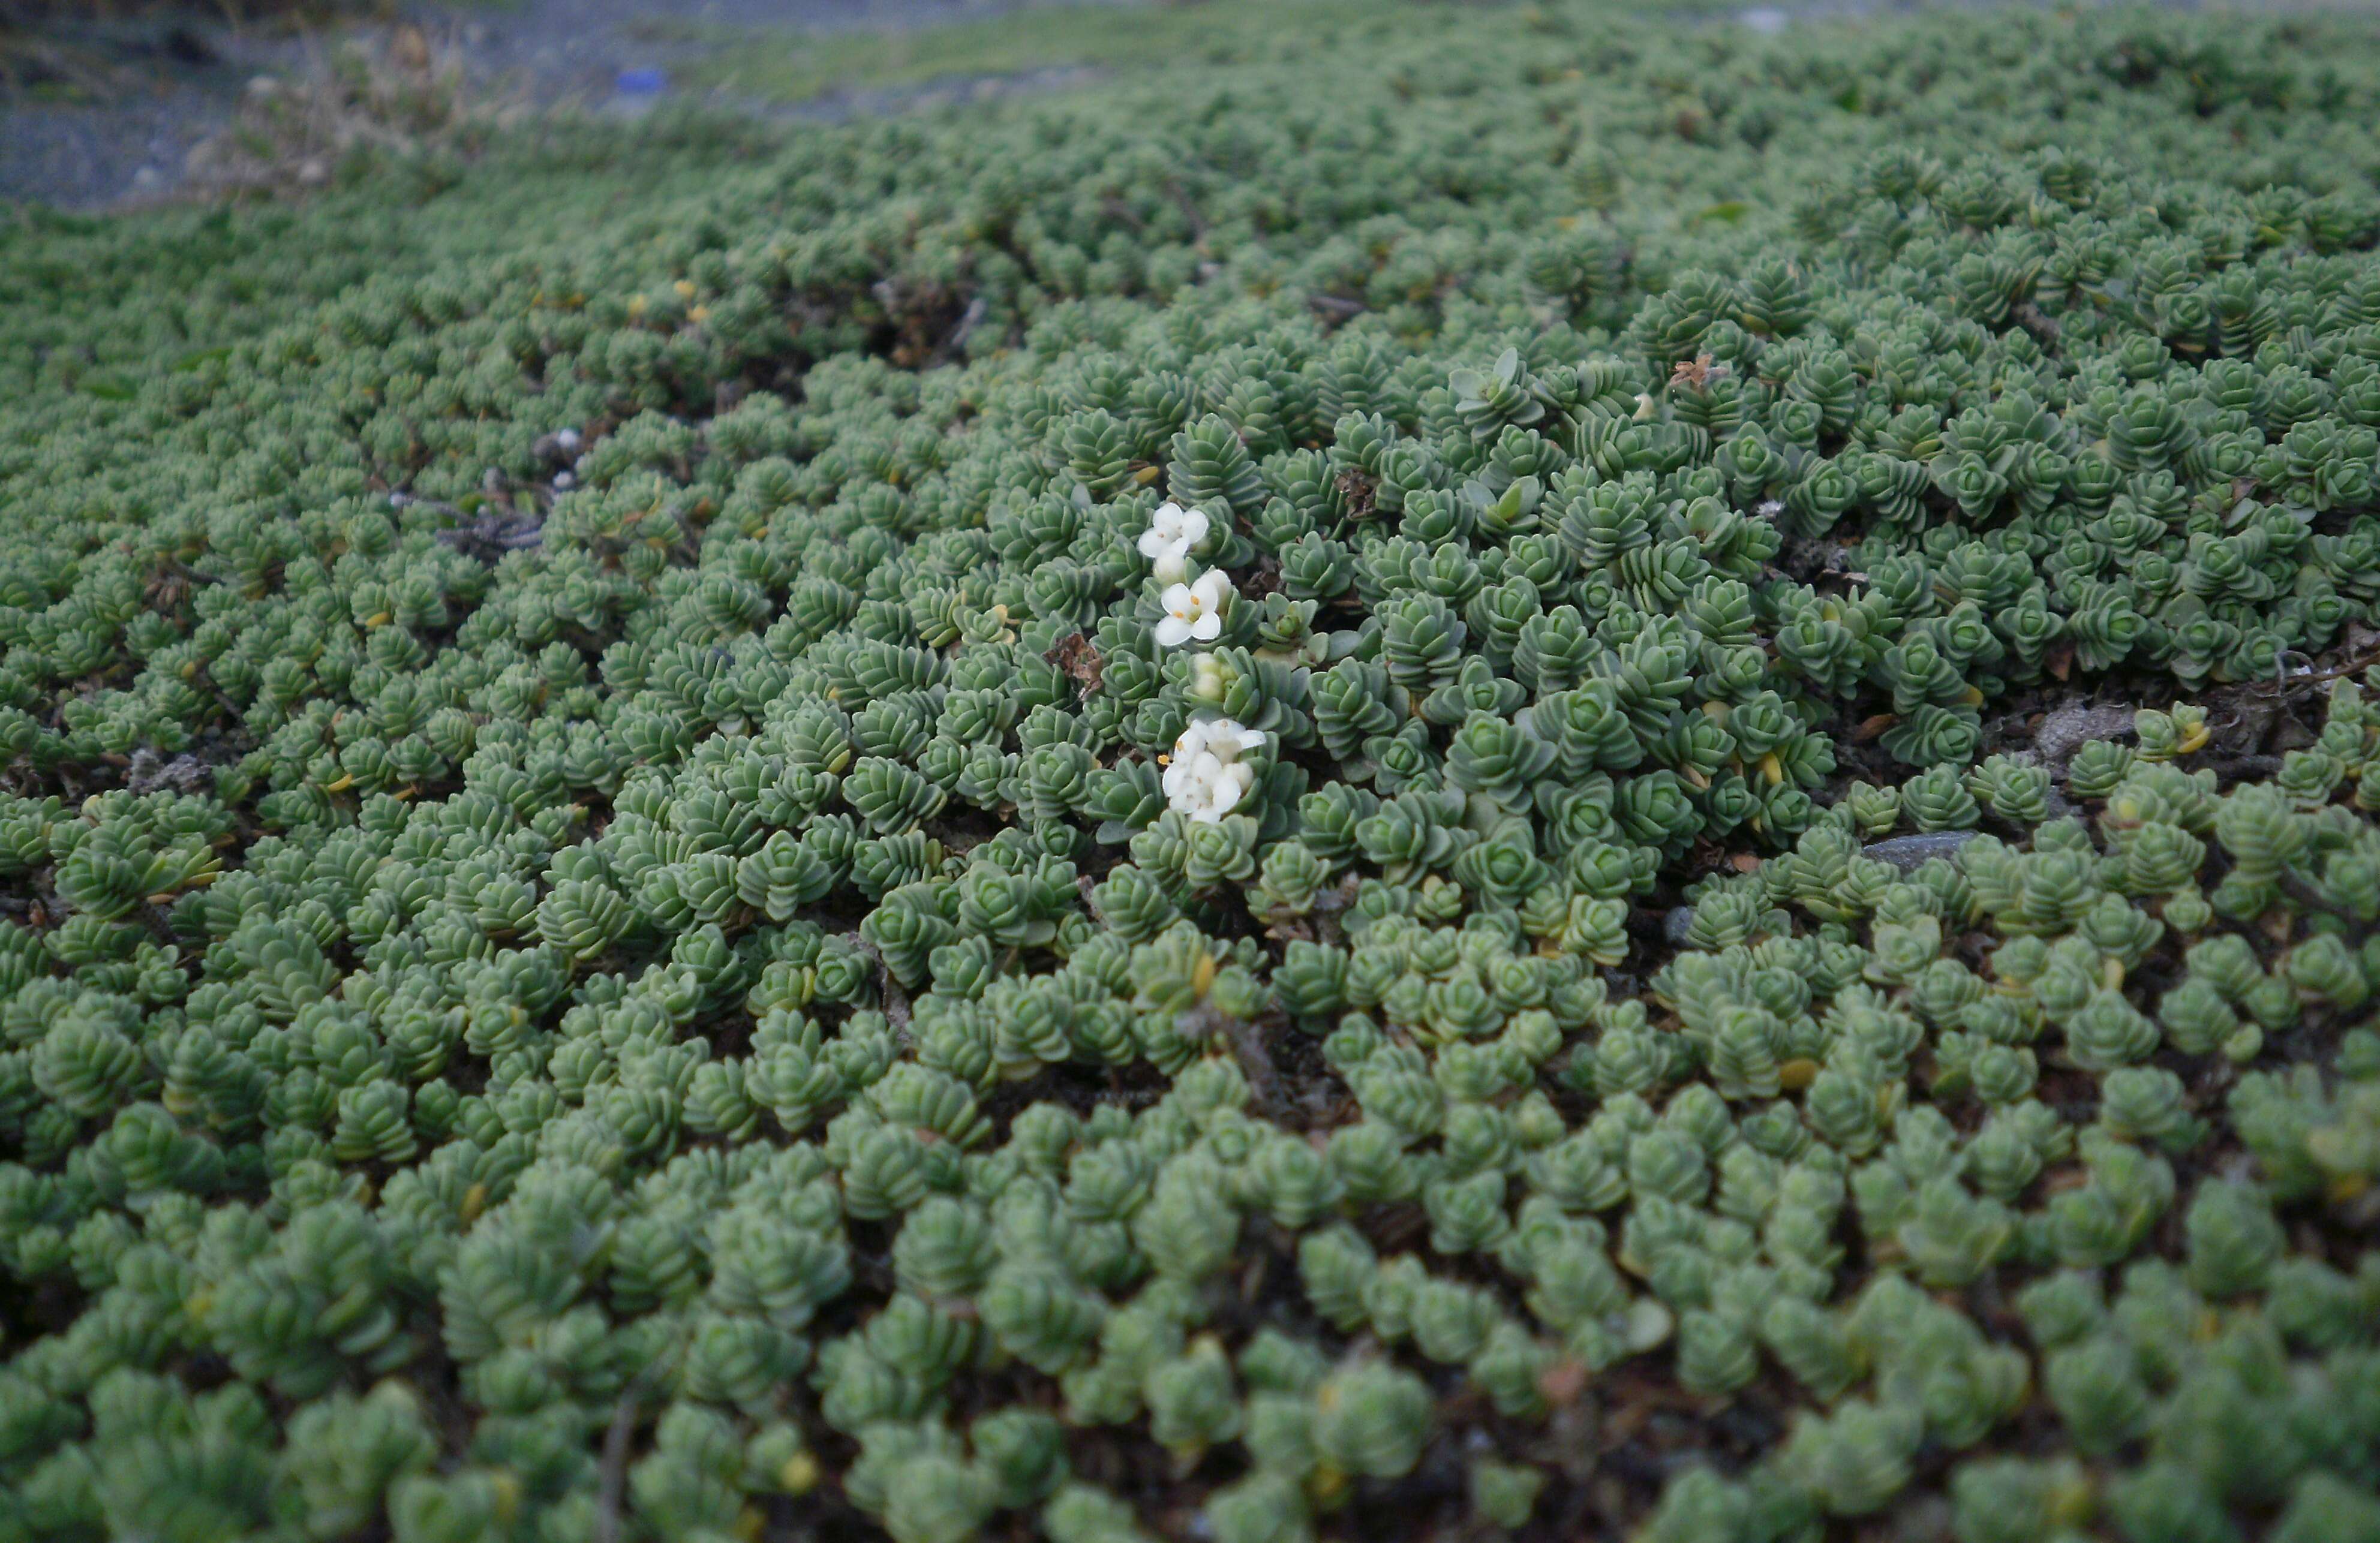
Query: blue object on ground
642	82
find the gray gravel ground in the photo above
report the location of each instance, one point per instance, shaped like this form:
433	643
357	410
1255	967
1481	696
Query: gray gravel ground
578	47
132	146
129	140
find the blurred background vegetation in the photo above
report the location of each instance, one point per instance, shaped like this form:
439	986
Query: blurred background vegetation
104	103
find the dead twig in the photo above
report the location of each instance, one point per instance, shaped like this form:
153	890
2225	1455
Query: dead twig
2291	685
2304	894
613	1474
897	1000
487	537
2043	327
1190	210
969	320
1205	1021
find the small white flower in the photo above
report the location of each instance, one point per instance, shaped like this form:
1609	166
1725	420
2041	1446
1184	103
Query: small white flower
1207	677
1194	611
1188	747
1229	741
1174	526
1172	532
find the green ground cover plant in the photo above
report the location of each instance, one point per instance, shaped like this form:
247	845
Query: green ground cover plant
1334	800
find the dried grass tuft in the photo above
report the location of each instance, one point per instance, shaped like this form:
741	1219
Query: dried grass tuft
401	94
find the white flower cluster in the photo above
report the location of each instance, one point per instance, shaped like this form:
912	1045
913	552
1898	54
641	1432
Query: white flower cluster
1204	779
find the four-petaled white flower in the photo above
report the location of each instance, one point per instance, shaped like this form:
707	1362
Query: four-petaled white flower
1194	611
1228	740
1206	779
1172	532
